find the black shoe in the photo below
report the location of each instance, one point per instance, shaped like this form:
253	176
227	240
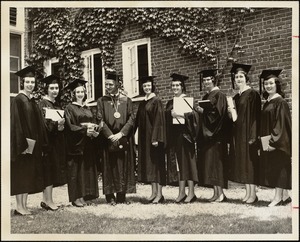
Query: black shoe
151	200
181	200
286	201
161	200
223	200
16	212
276	204
45	206
193	199
113	202
77	205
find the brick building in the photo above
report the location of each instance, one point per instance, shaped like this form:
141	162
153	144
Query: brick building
266	37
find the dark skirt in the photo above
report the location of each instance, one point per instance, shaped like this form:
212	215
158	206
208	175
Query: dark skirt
26	175
213	165
275	169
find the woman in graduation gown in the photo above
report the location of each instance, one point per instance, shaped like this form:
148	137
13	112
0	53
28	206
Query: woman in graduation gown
275	163
180	150
115	111
55	166
243	165
28	141
150	121
81	134
212	143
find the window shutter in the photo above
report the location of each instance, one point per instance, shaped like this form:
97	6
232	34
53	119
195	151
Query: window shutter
13	16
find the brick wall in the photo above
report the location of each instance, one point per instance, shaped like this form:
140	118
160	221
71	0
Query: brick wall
267	40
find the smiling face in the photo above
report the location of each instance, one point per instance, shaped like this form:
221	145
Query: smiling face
147	87
110	86
177	88
240	80
79	93
208	82
29	84
53	90
270	86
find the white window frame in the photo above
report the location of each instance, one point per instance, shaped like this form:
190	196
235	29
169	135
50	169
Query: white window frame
130	65
19	29
88	67
47	65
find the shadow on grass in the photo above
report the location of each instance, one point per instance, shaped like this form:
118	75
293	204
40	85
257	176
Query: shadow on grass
66	222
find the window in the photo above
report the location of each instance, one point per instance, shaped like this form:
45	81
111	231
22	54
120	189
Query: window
93	73
16	49
136	62
15	62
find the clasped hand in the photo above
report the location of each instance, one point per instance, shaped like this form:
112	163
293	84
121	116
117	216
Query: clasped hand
92	133
115	137
175	115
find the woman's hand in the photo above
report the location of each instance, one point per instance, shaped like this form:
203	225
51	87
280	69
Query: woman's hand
175	115
199	109
155	144
61	121
270	148
95	133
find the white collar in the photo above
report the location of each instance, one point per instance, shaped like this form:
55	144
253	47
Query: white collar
182	95
274	96
114	95
47	98
214	88
30	95
245	89
152	94
76	103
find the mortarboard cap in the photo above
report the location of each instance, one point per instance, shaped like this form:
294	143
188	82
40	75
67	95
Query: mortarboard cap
206	73
76	83
144	79
28	71
49	79
240	67
112	76
178	77
236	67
266	74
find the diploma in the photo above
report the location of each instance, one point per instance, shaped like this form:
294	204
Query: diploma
231	105
31	144
54	114
265	142
205	104
182	105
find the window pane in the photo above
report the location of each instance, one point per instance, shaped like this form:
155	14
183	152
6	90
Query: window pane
15	45
98	76
143	60
14	83
13	16
14	64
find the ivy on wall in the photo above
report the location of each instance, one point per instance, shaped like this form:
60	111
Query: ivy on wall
65	32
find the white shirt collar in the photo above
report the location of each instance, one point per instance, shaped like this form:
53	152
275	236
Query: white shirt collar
245	89
214	88
76	103
152	94
114	95
30	95
274	96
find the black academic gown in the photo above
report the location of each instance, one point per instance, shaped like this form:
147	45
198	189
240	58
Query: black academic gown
26	169
275	166
117	167
243	162
212	145
55	165
180	145
81	154
150	121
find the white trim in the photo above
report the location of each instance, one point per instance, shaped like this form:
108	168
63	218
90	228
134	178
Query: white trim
47	65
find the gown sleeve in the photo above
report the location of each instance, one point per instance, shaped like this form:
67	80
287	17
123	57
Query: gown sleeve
159	125
18	139
254	116
281	133
127	128
100	116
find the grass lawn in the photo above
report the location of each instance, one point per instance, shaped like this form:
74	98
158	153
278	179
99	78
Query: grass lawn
201	217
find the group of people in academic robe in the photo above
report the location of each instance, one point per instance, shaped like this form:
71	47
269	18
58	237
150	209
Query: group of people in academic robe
206	145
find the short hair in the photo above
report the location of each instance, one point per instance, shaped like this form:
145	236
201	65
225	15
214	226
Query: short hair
22	83
278	88
48	84
153	89
74	97
181	84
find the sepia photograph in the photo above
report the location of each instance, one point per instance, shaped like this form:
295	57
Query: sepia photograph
149	120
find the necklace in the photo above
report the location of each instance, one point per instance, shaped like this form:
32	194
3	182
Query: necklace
116	113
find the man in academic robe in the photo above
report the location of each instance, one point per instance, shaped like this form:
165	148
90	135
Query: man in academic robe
115	111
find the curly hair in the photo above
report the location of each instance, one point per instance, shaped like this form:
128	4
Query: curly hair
278	88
